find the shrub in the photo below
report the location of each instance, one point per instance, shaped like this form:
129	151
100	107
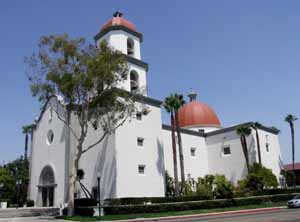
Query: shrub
84	206
208	204
30	203
223	187
204	187
187	187
259	179
170	190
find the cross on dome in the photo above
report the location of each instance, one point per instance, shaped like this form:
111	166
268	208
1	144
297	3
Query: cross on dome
118	13
119	20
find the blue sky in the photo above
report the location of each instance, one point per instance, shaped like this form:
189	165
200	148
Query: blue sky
242	57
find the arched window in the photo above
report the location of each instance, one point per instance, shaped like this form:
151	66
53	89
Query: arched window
134	80
50	137
47	176
130	47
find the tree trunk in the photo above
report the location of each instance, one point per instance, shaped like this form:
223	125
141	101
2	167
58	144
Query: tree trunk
181	158
26	146
72	182
293	153
245	151
72	173
174	155
258	146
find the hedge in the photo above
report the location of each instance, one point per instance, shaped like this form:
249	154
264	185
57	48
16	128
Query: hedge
194	205
142	200
84	206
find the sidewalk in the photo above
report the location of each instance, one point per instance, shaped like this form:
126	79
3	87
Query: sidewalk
195	216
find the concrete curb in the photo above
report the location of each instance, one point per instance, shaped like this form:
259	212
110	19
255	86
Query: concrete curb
195	216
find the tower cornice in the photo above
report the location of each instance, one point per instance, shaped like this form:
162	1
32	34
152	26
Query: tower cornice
116	28
137	62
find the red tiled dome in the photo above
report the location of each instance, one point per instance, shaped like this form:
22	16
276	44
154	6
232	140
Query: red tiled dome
196	113
118	20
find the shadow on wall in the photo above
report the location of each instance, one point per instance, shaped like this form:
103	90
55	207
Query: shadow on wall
160	160
106	165
252	150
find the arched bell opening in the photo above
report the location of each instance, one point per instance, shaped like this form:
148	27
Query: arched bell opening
134	80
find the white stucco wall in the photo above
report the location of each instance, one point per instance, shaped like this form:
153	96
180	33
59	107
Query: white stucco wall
129	155
196	166
100	161
271	159
49	155
233	166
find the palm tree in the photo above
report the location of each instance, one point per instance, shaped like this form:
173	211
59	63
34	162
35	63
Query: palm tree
243	132
26	130
255	126
168	105
291	119
179	102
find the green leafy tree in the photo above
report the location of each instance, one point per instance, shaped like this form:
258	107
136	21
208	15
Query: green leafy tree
290	119
7	191
244	132
85	77
222	187
16	170
259	178
256	126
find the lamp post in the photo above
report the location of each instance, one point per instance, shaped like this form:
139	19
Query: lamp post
99	194
18	183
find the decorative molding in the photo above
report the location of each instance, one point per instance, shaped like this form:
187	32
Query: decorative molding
232	128
220	131
185	131
118	27
137	62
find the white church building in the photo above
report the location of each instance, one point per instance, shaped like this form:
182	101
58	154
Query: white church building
132	162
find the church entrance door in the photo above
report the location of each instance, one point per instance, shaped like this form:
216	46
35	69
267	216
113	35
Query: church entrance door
46	188
47	196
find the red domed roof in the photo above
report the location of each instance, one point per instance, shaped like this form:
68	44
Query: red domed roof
118	20
196	113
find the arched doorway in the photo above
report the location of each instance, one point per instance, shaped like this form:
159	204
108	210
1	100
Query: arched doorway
46	187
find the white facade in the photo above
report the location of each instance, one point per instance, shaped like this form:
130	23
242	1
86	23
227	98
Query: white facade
133	161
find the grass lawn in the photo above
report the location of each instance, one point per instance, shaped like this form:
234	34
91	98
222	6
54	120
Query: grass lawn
165	214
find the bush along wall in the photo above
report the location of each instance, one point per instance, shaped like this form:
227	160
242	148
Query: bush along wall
143	200
194	205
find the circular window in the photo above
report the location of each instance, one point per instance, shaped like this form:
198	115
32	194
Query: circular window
50	137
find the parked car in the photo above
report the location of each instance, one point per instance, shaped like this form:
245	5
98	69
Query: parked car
295	202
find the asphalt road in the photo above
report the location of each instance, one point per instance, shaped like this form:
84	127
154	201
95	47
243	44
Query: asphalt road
284	215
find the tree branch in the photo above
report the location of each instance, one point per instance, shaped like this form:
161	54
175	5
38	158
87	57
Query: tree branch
66	123
103	136
94	144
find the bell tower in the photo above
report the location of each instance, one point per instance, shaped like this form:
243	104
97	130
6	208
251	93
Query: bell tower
122	35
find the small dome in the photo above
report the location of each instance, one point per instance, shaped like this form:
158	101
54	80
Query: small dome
119	20
197	114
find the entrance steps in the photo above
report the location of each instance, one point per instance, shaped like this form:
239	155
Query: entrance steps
29	212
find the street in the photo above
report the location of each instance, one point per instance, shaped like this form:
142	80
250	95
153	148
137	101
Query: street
284	215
